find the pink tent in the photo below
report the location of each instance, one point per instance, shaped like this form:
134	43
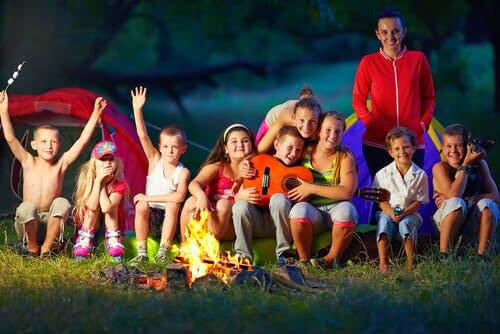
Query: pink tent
71	107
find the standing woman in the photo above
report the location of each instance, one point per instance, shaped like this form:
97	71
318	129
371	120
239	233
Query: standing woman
399	84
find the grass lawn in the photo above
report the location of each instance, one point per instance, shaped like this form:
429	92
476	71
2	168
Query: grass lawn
63	296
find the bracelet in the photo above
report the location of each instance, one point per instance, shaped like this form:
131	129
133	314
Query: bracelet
466	168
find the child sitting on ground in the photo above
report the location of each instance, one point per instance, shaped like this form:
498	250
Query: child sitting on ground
303	114
214	186
409	188
464	188
157	211
100	191
251	220
42	214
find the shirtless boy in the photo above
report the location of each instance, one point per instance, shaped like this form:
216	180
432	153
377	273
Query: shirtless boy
43	176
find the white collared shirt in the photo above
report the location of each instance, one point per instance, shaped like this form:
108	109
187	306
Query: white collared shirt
404	190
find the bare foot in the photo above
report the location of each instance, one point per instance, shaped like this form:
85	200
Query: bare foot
382	267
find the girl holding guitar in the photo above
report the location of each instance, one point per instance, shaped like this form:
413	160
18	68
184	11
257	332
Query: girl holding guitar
335	180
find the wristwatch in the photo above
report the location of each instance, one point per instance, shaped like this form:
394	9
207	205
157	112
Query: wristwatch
466	168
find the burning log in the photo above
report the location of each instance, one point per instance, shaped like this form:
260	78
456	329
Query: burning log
177	276
208	282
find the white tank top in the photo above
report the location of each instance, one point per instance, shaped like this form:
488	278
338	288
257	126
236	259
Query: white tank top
158	184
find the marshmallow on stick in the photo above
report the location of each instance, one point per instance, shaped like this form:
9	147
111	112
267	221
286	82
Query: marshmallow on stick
14	75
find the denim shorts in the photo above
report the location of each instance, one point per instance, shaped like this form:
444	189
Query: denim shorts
407	227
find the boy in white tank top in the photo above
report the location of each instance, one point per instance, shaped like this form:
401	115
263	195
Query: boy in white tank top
157	211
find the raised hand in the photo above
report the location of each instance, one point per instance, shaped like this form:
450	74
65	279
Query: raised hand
4	101
99	105
138	97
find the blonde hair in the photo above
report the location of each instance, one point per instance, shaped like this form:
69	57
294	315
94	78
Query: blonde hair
84	181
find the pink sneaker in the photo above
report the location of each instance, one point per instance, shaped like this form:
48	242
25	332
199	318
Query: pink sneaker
84	243
114	243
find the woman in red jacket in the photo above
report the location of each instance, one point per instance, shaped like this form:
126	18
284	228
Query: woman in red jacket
399	84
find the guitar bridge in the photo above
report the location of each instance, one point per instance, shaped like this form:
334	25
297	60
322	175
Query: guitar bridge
265	181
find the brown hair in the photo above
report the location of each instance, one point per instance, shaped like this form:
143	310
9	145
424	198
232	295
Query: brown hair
288	131
217	154
306	92
398	133
308	103
457	130
334	114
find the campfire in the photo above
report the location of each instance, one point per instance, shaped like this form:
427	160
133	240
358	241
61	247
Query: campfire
200	254
199	264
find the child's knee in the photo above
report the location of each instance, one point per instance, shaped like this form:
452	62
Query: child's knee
141	207
345	212
279	202
224	205
25	212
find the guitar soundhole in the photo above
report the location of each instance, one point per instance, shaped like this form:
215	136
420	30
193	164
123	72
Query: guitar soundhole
289	182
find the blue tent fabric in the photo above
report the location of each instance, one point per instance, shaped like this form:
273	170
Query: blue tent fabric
353	140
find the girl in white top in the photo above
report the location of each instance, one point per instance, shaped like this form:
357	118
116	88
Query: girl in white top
166	183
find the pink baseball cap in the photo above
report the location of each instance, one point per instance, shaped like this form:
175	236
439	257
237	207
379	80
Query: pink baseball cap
103	148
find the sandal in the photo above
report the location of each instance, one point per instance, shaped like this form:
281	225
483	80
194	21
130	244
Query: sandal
84	243
114	244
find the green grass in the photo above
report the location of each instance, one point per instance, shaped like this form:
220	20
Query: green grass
63	296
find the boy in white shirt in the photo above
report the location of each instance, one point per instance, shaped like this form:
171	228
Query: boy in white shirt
409	189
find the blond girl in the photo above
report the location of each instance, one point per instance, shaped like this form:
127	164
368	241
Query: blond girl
101	192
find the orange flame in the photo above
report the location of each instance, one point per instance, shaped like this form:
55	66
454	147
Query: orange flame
201	251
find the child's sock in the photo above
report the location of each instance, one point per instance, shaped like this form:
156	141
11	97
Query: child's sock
163	250
142	251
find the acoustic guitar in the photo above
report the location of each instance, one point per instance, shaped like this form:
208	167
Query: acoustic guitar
272	176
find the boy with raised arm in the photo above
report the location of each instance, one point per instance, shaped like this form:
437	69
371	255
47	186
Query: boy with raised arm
157	211
43	208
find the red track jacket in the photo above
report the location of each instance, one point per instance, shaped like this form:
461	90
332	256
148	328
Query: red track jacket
401	93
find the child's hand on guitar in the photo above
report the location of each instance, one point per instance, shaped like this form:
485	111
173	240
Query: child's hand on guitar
246	169
300	192
251	195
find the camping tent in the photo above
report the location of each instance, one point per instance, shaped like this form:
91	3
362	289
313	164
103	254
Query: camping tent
69	109
352	139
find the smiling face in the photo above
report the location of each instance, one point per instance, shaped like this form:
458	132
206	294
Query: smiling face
288	149
454	149
238	145
402	151
46	143
171	148
390	32
306	121
331	132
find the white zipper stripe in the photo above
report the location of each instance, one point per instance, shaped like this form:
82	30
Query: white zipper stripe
397	91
